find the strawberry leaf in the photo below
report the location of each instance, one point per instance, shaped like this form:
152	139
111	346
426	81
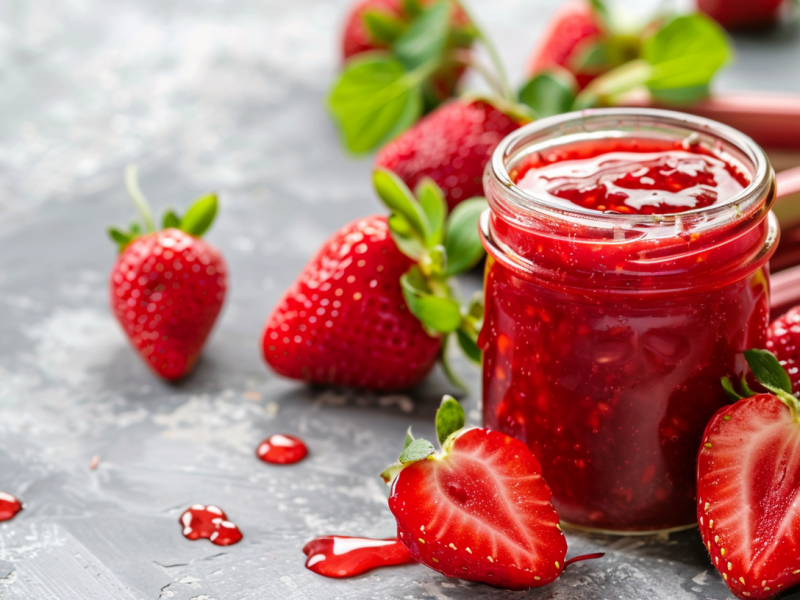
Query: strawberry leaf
383	26
442	315
417	450
685	53
404	236
412	8
549	93
449	418
390	472
120	238
469	345
399	199
727	385
462	240
171	220
433	204
426	38
768	371
200	215
374	100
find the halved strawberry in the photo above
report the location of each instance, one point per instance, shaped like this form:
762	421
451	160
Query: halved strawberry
748	486
479	508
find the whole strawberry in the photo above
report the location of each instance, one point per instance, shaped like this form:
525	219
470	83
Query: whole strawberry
167	287
783	340
748	485
478	509
372	308
451	146
570	34
742	14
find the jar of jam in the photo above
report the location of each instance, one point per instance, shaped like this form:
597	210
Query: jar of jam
627	272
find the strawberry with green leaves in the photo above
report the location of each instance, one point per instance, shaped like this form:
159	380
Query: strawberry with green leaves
478	508
783	340
742	14
374	307
748	484
167	286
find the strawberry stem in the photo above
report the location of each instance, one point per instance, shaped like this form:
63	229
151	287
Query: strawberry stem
584	557
466	58
132	185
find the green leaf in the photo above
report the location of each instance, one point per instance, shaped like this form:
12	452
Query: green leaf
406	239
729	389
412	8
119	237
768	371
469	345
438	314
399	199
591	58
434	206
409	439
374	100
684	95
383	26
417	450
135	228
549	93
390	472
200	215
426	38
462	240
685	53
449	418
746	388
171	219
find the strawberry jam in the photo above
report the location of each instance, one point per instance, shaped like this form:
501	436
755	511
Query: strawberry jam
9	506
209	523
627	273
282	449
340	556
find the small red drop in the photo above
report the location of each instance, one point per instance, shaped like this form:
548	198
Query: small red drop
339	556
211	523
9	506
282	449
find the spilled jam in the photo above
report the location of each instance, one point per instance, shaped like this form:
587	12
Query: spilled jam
339	556
282	449
210	523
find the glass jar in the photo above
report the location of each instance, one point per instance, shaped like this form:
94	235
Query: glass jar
606	334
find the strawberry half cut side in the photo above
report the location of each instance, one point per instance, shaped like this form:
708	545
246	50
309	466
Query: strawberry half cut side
748	485
478	509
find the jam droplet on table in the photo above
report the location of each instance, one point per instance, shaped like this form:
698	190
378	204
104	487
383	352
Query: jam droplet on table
211	523
338	556
282	449
9	506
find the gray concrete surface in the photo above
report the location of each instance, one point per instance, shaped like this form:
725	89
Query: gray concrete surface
227	96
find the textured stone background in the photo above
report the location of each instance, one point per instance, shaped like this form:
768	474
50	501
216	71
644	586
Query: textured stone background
227	96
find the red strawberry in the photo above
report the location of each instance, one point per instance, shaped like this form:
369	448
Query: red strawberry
783	340
346	319
479	509
167	287
376	24
569	32
451	146
742	14
748	486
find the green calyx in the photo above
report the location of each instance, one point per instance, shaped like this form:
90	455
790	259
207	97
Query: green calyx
450	421
769	373
442	246
197	220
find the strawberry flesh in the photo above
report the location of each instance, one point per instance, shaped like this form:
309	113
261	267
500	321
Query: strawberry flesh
344	321
480	512
783	340
749	496
167	289
451	146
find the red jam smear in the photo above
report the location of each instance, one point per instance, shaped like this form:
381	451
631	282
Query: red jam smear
209	523
633	178
280	449
611	388
9	506
341	556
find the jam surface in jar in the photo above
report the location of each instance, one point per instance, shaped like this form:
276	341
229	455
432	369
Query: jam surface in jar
606	369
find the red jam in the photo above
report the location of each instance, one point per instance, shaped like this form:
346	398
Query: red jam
339	556
604	347
9	506
209	523
282	449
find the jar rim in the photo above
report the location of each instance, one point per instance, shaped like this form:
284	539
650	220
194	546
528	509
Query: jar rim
527	202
